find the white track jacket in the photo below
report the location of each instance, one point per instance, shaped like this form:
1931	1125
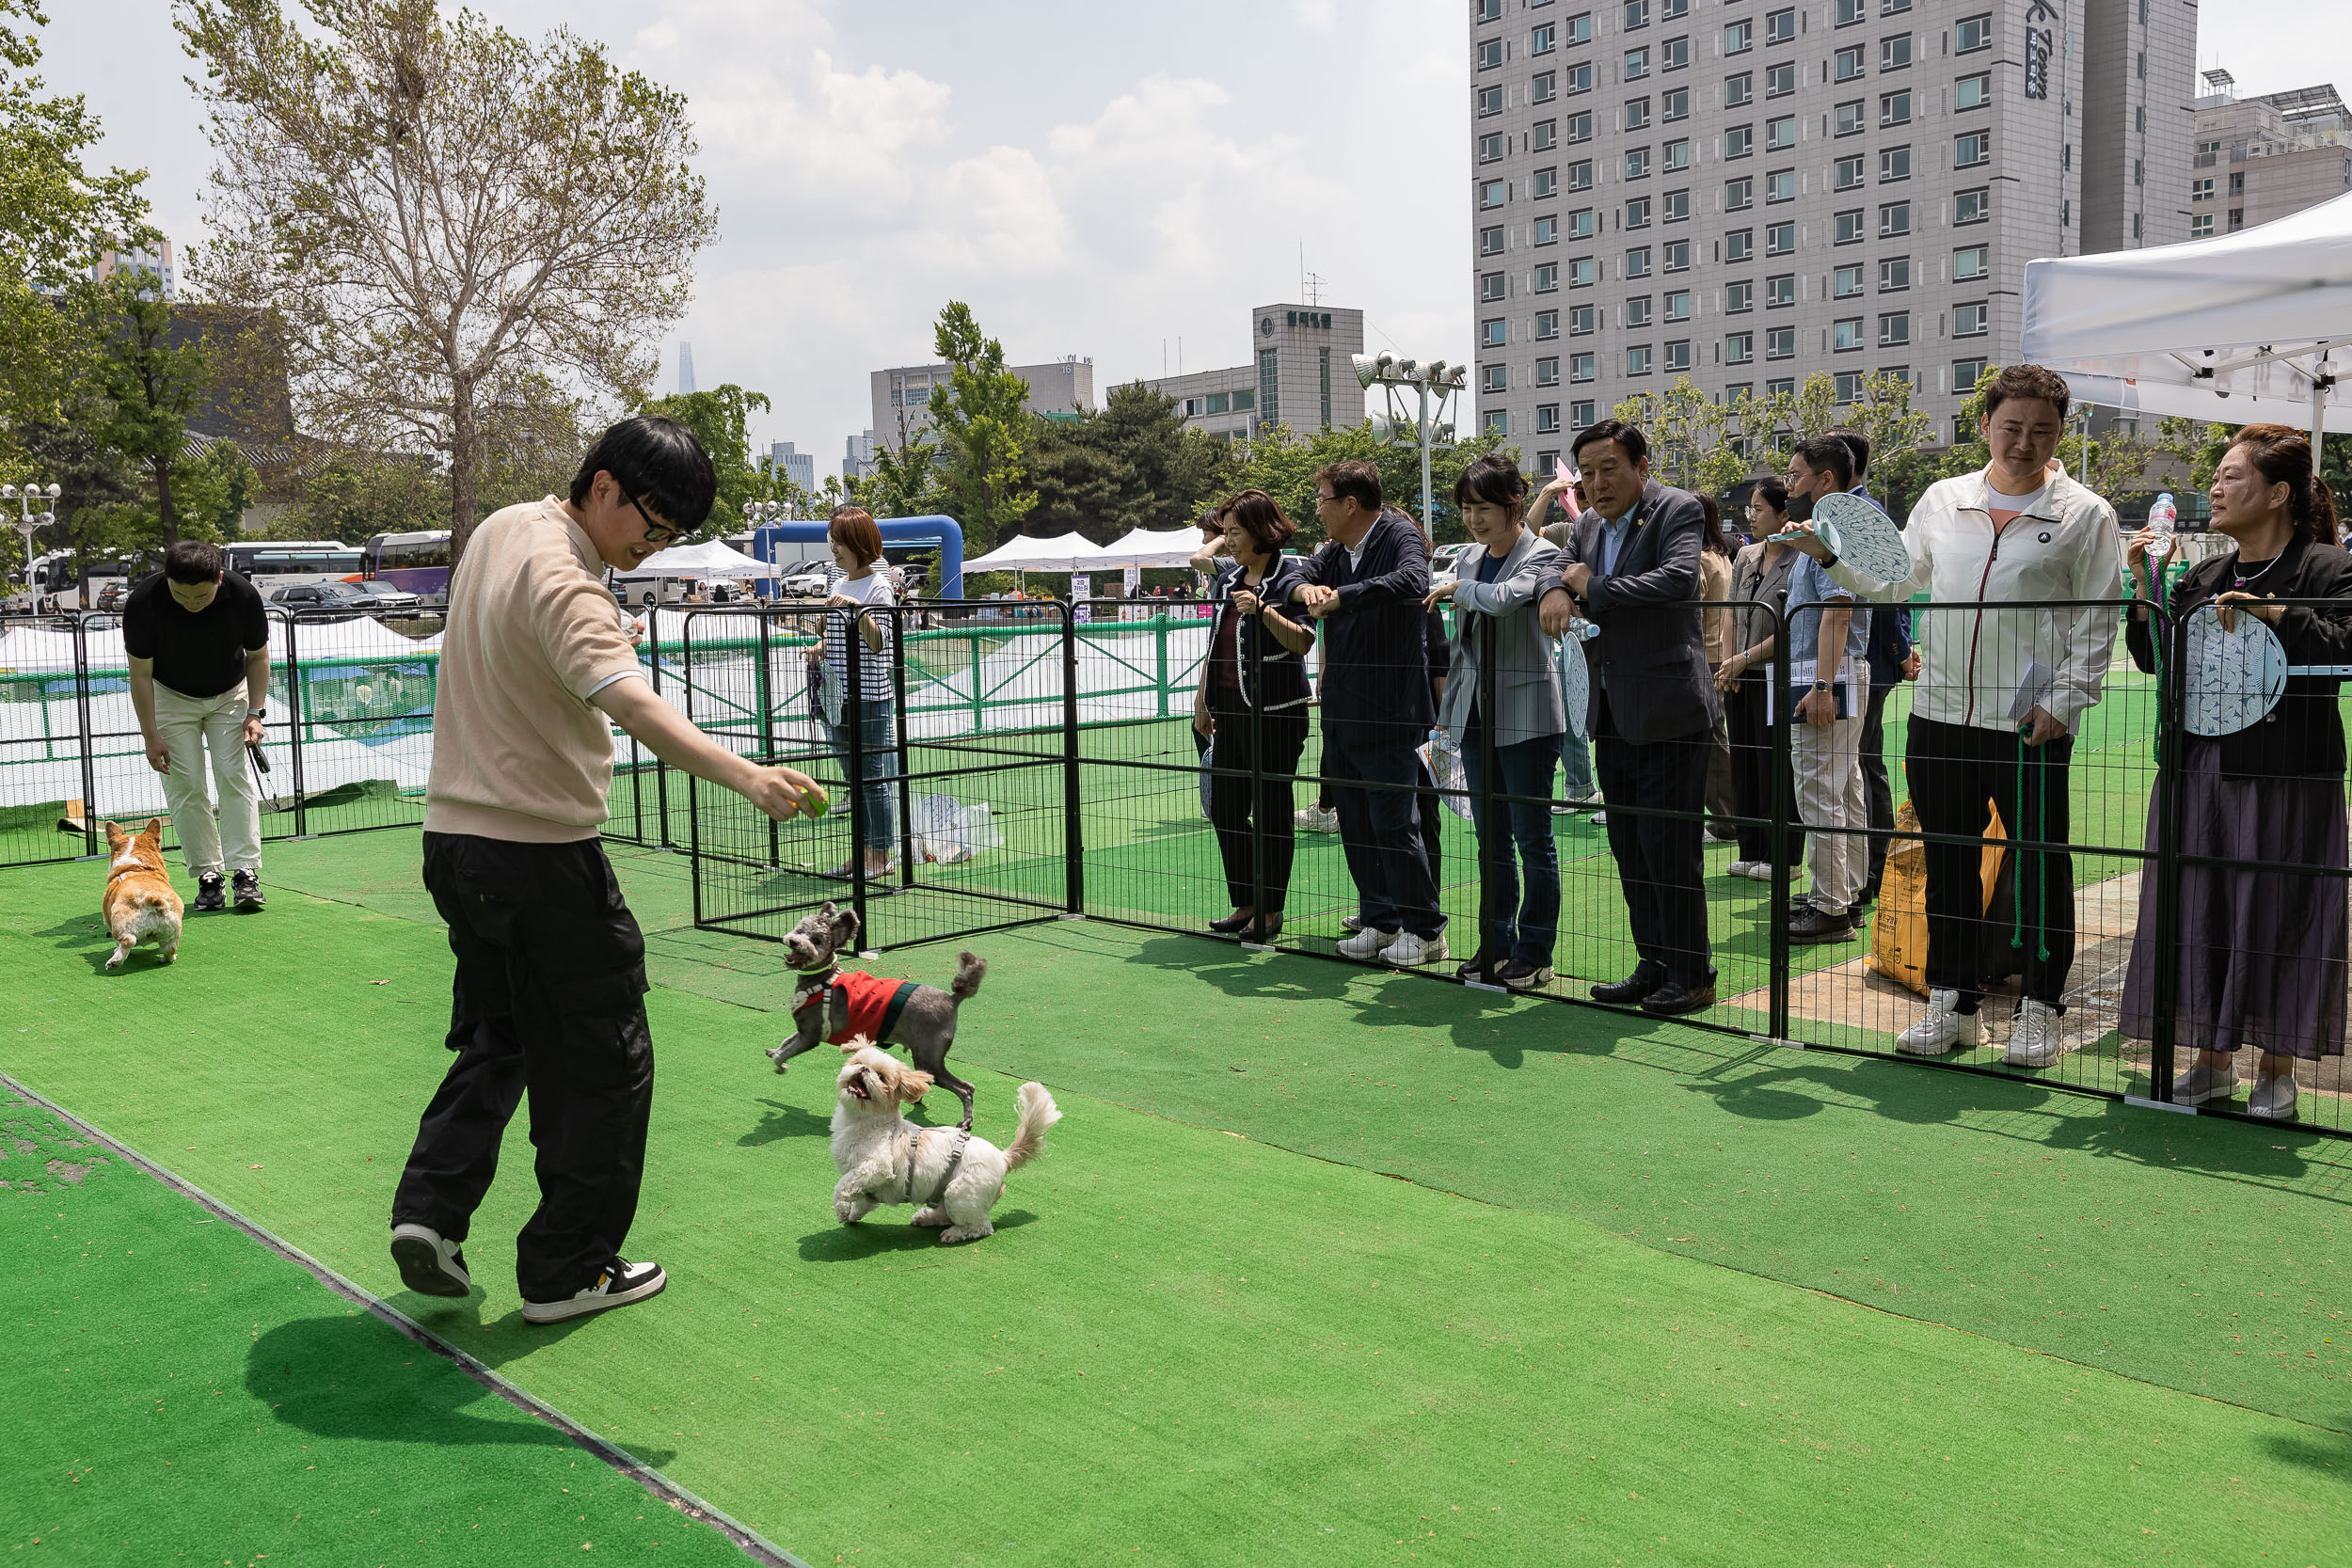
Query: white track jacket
1975	661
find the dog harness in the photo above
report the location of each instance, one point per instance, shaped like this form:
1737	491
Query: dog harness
871	1003
955	1158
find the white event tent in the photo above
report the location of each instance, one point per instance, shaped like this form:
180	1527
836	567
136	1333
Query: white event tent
710	558
1143	546
2244	327
1068	553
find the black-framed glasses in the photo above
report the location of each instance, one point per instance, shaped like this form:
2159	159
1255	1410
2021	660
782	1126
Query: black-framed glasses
656	533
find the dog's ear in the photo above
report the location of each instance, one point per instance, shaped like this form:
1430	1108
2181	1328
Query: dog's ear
154	829
912	1085
830	908
844	928
854	1044
116	838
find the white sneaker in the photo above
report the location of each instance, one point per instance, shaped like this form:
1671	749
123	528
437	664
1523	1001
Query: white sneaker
1314	821
1944	1028
618	1284
1600	820
1408	949
2033	1035
430	1264
1746	869
1370	942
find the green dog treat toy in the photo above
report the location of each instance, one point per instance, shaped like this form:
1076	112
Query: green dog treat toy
816	803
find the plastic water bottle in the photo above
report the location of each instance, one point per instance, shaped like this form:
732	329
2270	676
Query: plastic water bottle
2161	517
1582	629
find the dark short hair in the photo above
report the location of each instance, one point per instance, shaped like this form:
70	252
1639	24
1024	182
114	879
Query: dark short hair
855	526
1828	454
1628	436
1261	517
191	560
1494	480
1859	445
2027	380
1772	493
660	462
1213	519
1352	479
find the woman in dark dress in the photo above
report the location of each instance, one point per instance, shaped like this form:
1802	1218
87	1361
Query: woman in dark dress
2260	954
1255	665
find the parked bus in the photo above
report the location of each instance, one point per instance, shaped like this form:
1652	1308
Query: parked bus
273	564
415	562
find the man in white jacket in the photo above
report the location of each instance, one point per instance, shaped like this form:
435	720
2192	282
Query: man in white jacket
2003	687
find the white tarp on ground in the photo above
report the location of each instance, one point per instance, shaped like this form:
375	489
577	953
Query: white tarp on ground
1145	548
1071	552
711	559
45	650
2233	329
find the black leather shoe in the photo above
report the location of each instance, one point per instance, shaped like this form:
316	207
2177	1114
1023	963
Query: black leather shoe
1469	968
1811	924
1635	987
1230	924
1261	932
1676	997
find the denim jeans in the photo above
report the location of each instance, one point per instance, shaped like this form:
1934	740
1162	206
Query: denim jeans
1530	931
878	736
1576	768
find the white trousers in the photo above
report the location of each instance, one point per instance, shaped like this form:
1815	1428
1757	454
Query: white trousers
1830	794
189	725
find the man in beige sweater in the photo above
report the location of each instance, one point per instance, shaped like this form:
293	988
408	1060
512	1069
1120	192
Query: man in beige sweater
536	666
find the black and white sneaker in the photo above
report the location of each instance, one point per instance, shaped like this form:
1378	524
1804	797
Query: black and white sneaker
1522	976
430	1265
247	888
210	893
618	1283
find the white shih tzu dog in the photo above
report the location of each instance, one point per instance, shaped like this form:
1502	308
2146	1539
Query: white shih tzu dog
955	1177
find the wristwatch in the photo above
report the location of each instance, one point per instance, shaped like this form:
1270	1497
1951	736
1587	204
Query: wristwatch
1821	686
257	713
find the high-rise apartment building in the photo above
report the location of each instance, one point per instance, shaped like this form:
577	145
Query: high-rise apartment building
799	467
857	457
2260	158
1746	192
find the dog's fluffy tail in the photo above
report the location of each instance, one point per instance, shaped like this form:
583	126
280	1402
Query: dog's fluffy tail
1038	1113
971	969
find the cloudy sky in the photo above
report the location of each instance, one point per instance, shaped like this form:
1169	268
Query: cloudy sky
1095	180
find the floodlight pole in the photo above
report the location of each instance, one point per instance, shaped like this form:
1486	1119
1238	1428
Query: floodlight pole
1427	525
28	520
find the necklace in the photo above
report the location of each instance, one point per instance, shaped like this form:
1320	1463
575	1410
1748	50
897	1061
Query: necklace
2241	581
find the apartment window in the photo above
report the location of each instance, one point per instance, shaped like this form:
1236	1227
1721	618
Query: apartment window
1780	26
1674	105
1780	80
1491	241
1739	298
1779	387
2139	119
1895	109
1848	64
1576	78
1672	10
1895	330
1637	311
1780	292
1781	185
1637	212
1894	219
1780	134
1637	162
2138	173
1739	244
1850	120
1676	306
1965	374
1490	333
2237	219
1738	88
1675	207
1894	53
1738	195
1583	272
1972	148
1676	254
1847	387
1636	263
1739	37
1580	224
1547	277
1846	281
1780	342
1583	320
1497	421
2201	226
1580	28
1543	183
1636	63
1636	14
1580	175
1893	7
2201	190
1678	356
1546	325
1544	39
1845	334
1580	126
1738	348
1547	230
1636	113
1637	359
1490	10
1546	419
1850	11
1490	55
1970	321
1581	367
1894	274
1972	206
1675	54
1542	86
1846	174
1493	193
1739	141
1973	92
1546	136
1547	371
2136	225
1846	227
1494	378
1490	287
2066	155
1489	101
1676	154
1894	163
1972	33
1969	262
1780	239
1490	149
1579	415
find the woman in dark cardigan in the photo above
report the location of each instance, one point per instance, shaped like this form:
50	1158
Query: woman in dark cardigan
2260	953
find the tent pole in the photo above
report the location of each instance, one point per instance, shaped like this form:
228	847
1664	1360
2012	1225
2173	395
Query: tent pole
2321	380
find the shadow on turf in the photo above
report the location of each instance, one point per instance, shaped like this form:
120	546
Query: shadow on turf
847	1244
784	1121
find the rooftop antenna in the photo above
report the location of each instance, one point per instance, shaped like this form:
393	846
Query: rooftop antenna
1312	285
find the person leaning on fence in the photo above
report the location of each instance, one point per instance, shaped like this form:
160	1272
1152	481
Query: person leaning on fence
1828	693
2004	681
198	642
854	669
1367	586
1578	790
2260	960
1256	665
1760	575
1494	590
1632	569
549	995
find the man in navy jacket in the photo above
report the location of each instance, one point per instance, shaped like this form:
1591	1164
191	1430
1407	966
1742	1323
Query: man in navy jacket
1367	588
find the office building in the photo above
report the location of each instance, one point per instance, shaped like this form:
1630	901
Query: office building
160	265
902	394
2260	158
1748	193
799	467
685	369
1297	374
857	457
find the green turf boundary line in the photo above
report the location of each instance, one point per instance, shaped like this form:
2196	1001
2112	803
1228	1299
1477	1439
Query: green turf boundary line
750	1541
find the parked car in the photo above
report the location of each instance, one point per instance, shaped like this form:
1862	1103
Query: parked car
352	598
112	595
1442	563
808	581
390	598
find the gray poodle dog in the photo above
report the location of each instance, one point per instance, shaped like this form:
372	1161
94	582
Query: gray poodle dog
834	1004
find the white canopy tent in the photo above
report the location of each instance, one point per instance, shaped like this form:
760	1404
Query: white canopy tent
711	559
1145	548
1070	553
2240	328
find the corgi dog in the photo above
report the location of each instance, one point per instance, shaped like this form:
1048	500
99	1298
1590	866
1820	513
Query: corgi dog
140	902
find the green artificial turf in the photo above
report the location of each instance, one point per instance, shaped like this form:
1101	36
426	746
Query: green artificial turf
1182	1344
182	1394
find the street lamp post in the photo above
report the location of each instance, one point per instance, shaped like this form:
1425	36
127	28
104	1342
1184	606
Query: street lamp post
29	519
1386	371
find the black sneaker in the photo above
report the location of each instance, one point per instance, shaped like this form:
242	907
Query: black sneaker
1809	924
209	897
247	887
618	1283
1470	969
1522	976
430	1265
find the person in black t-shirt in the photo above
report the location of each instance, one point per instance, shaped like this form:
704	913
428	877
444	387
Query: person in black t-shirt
198	646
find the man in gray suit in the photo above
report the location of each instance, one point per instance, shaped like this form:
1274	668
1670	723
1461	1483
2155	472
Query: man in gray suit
1632	569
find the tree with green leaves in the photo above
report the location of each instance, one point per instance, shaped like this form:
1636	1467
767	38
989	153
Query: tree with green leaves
1283	463
1132	465
2117	464
720	420
904	483
984	430
142	383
